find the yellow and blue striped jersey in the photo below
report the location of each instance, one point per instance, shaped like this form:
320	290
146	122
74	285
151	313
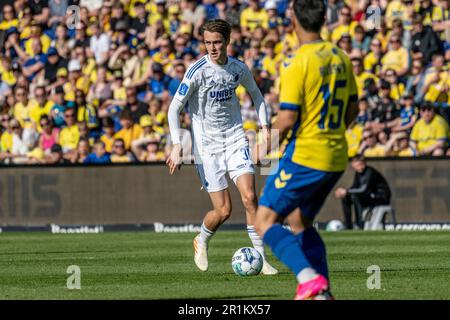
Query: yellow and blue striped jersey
318	82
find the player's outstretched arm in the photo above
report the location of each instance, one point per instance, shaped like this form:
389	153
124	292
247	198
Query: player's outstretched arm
258	100
174	159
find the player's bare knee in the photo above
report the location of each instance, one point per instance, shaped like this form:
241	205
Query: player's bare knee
249	200
224	212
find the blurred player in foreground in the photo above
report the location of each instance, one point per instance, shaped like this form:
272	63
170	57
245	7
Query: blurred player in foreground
317	101
220	145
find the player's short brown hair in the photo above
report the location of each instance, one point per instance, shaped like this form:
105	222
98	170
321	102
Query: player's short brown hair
217	25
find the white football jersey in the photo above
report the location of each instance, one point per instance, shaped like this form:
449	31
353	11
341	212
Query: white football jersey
210	91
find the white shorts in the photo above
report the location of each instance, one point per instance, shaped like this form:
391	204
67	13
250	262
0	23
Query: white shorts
213	167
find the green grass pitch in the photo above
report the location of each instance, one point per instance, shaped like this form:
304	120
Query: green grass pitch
147	265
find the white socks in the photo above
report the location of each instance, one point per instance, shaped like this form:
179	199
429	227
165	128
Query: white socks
257	242
306	275
205	235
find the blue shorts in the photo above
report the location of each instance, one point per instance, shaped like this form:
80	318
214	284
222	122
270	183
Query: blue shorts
294	186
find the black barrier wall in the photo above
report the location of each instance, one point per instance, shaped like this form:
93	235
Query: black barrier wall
142	194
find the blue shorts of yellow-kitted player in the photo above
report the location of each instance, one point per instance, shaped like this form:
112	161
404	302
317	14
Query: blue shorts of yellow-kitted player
294	186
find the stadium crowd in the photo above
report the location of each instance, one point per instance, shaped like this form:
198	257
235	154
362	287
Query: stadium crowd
93	83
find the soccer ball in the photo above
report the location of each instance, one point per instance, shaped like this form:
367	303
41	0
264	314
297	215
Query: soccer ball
335	225
247	262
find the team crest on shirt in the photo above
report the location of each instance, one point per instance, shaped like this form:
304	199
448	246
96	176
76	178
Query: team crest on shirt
183	89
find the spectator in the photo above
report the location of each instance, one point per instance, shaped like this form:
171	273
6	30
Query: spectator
99	156
370	146
397	57
233	12
6	140
345	43
70	134
76	80
53	64
99	44
23	108
138	24
41	106
416	81
101	89
59	106
86	112
333	9
408	116
22	142
397	88
360	41
271	61
425	42
360	75
81	38
372	61
49	135
345	25
363	115
252	17
404	35
82	151
120	153
9	18
398	146
369	189
152	153
429	134
194	14
130	131
137	108
58	10
56	156
108	134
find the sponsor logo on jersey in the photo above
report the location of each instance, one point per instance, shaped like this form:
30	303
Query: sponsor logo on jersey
183	89
221	95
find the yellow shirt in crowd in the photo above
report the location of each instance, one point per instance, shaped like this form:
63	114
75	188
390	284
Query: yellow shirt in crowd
129	135
395	59
36	112
252	19
69	137
426	135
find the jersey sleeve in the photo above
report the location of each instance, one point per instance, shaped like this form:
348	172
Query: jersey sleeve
250	85
188	85
291	86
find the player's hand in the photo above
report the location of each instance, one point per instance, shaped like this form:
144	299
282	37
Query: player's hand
340	193
266	137
174	159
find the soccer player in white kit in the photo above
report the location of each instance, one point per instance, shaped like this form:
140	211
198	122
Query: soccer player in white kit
219	141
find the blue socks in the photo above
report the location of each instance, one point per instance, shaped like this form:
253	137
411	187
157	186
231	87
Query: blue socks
314	249
286	248
305	250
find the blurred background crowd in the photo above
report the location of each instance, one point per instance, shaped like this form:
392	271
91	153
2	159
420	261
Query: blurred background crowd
90	81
